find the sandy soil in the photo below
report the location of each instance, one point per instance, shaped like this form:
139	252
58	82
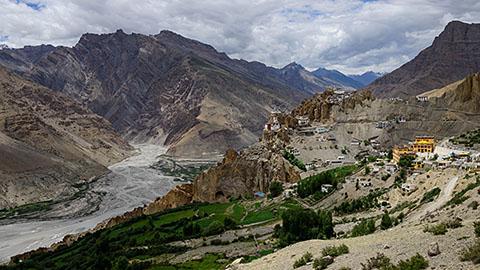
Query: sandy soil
397	244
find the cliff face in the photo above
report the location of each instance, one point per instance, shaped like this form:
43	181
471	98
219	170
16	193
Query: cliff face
243	174
454	54
319	107
49	142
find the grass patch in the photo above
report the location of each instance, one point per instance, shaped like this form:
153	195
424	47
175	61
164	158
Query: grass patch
439	229
258	216
430	195
460	197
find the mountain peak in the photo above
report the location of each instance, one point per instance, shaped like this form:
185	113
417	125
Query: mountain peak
293	65
457	31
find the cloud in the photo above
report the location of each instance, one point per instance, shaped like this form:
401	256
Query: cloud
350	35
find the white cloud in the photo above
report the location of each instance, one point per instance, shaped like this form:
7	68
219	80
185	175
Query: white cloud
349	35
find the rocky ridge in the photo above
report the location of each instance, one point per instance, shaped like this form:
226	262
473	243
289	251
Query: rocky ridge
49	142
453	55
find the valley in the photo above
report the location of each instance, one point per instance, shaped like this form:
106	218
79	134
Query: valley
131	183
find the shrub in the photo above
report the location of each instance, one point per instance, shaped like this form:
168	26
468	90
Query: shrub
276	188
382	262
476	226
335	251
366	226
416	262
229	223
430	195
358	205
386	221
293	160
438	229
454	223
378	262
306	258
472	253
473	205
191	228
214	228
321	263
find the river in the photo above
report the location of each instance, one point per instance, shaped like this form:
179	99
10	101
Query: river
131	183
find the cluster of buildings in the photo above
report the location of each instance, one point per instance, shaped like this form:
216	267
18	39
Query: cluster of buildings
425	153
338	96
422	144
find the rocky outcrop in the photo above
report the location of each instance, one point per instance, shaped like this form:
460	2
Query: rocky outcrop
454	54
242	174
319	107
178	196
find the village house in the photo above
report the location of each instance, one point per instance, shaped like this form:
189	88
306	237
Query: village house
325	188
383	124
303	121
408	187
422	98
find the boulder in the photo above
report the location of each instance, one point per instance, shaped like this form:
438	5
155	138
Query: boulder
433	249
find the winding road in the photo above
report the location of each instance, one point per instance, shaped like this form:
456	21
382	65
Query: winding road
445	195
131	183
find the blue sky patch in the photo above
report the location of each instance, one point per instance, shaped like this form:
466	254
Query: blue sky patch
31	4
3	38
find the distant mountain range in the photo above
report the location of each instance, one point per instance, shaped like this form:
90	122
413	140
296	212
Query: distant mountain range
454	54
169	89
367	77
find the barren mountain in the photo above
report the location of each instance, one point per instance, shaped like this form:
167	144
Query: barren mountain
166	88
48	142
463	95
454	54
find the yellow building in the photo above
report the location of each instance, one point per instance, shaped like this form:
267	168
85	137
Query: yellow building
400	151
424	144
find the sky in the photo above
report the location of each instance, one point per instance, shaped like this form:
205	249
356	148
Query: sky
351	36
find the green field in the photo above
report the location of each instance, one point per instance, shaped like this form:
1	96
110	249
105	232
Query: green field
139	240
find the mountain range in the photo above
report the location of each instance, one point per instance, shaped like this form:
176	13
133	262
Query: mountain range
169	89
454	54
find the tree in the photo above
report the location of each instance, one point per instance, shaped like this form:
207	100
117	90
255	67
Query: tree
406	161
300	225
276	188
229	223
386	221
214	228
121	263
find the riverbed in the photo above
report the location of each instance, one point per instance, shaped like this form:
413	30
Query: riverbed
131	183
